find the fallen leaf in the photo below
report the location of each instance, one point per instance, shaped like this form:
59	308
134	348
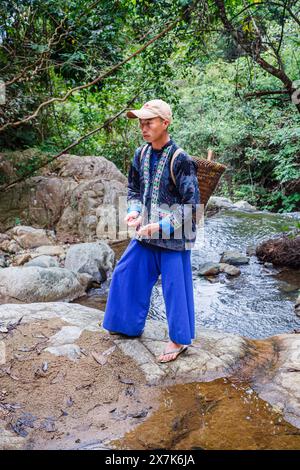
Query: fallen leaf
99	358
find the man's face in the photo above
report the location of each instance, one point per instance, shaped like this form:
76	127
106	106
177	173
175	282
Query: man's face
152	129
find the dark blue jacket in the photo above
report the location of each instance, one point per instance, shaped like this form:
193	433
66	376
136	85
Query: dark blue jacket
186	192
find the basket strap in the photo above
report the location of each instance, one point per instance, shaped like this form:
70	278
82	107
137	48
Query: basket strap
142	152
177	152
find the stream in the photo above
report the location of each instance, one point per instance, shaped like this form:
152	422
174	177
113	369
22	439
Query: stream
256	304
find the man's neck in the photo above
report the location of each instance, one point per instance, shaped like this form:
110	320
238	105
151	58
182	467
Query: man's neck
158	144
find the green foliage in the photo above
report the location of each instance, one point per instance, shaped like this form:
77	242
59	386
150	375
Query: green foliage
51	47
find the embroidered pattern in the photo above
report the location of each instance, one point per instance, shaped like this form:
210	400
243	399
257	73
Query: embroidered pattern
155	212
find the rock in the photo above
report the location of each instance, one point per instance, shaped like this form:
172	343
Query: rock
10	246
67	335
287	287
2	261
91	258
245	206
270	366
35	284
234	257
88	167
229	269
268	265
280	385
208	269
29	237
251	250
220	202
85	318
56	250
72	351
21	259
86	280
67	199
3	237
43	261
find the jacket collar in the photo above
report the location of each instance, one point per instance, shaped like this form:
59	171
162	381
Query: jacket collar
167	144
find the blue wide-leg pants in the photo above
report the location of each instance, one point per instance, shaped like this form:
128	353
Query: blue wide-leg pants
132	281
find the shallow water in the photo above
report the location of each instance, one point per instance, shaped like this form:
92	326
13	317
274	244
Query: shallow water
257	303
212	416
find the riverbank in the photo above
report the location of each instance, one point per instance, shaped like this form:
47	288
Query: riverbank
66	383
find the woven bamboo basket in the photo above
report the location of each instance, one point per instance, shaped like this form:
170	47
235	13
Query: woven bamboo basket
209	173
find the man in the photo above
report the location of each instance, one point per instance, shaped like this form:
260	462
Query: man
162	244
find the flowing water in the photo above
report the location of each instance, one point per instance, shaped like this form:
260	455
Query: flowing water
257	303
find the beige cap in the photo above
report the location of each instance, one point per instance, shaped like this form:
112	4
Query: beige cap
152	109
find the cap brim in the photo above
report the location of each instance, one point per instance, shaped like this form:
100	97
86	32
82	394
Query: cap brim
141	114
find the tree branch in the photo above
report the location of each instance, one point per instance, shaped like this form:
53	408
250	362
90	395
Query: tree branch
72	145
240	38
96	80
257	94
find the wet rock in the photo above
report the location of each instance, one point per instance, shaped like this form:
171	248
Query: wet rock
91	258
268	265
234	257
43	261
229	269
251	250
280	386
35	284
208	269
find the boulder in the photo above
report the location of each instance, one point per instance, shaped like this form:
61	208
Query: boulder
66	198
229	269
30	237
234	257
35	284
208	269
244	206
95	259
43	261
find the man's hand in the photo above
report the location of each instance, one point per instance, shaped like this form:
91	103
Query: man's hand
149	229
133	219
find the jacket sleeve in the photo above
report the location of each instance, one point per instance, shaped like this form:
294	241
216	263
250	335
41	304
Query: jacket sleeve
185	173
134	202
